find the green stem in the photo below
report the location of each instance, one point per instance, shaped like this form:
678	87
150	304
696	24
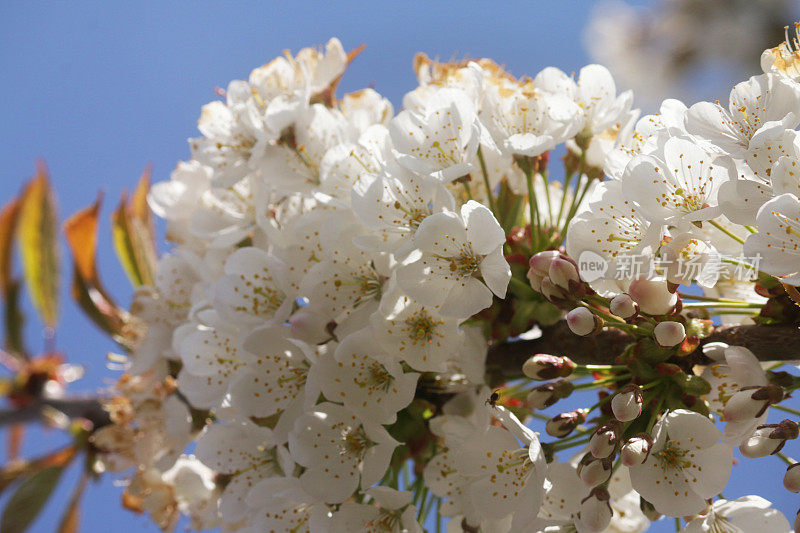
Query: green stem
602	367
723	305
726	231
786	459
565	446
786	409
488	186
533	209
709	299
602	382
547	197
567	181
469	192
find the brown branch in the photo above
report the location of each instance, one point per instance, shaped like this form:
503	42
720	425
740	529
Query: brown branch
504	361
87	407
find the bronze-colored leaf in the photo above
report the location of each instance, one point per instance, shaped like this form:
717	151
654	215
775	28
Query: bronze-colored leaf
36	234
72	514
15	435
19	469
8	224
81	232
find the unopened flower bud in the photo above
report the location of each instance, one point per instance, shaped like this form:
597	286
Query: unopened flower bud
652	296
627	403
540	262
636	450
769	439
551	291
649	510
751	402
595	511
596	472
791	480
603	441
548	394
623	306
563	273
583	322
669	334
562	425
543	366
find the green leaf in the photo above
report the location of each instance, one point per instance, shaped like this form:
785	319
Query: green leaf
29	499
14	322
36	234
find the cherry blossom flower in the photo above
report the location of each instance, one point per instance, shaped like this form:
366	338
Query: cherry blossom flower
459	262
340	452
686	465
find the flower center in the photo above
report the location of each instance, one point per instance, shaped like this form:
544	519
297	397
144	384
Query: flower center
465	264
354	442
386	520
422	327
672	457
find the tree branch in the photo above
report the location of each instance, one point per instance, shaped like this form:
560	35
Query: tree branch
88	407
504	360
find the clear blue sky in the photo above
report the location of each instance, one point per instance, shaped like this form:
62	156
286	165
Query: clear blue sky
99	89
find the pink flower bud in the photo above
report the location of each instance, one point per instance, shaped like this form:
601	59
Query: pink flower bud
627	403
791	480
583	322
623	306
669	334
652	296
540	263
548	394
604	441
636	450
595	512
543	366
751	402
596	472
535	280
551	291
562	425
563	273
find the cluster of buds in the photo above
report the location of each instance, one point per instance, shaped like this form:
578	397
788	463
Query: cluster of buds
548	394
769	439
555	276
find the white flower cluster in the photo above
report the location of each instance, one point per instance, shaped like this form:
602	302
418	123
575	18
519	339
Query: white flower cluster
337	266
